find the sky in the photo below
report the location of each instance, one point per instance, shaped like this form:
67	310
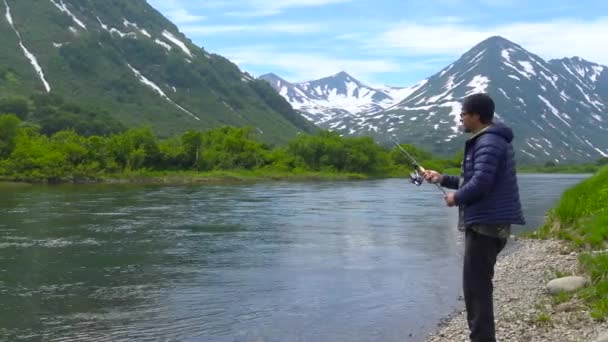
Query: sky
383	42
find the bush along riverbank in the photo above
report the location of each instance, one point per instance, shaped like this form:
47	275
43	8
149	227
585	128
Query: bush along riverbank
32	153
221	154
553	285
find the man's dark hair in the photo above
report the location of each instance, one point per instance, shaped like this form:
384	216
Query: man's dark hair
480	104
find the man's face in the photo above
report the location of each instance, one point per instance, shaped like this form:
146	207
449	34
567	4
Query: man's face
468	121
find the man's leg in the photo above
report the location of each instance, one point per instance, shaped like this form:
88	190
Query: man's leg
478	271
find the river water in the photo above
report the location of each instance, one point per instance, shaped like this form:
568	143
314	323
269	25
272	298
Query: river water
330	261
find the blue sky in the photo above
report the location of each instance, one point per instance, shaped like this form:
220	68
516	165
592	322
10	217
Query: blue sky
394	42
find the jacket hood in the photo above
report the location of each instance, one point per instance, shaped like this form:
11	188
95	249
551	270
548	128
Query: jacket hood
502	130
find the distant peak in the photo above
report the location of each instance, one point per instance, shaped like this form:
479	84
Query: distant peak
577	59
496	42
492	46
497	39
342	74
270	75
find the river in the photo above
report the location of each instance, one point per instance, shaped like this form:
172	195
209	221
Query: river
286	261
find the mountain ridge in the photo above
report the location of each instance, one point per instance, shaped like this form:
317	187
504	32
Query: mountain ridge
339	94
558	108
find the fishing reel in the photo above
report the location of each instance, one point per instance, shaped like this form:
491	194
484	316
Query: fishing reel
416	177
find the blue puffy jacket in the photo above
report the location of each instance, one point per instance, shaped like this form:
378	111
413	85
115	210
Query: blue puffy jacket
489	193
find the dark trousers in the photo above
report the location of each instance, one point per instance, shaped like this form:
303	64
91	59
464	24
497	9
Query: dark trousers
479	259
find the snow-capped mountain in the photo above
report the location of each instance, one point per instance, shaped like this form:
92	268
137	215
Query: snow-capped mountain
558	109
336	96
587	75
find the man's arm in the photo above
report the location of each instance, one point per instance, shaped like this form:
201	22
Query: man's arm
446	181
486	159
450	182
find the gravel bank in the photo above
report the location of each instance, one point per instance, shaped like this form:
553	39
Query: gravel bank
524	309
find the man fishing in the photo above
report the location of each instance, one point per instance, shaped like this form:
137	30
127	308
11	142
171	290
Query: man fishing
488	200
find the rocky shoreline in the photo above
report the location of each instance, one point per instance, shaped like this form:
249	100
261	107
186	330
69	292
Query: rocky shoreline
524	309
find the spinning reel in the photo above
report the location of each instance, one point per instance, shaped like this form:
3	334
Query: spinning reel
416	178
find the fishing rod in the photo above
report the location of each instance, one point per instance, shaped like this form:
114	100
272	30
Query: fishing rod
415	177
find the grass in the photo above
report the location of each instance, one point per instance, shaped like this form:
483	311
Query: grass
561	297
561	169
543	319
197	177
597	294
572	168
234	176
581	218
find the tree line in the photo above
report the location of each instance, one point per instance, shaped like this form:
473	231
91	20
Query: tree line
45	139
31	153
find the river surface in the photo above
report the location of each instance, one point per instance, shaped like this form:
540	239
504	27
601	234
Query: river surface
331	261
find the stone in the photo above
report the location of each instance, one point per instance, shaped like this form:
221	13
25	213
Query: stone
567	284
603	338
567	307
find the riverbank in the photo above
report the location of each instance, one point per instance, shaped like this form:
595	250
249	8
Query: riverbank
211	177
524	309
572	241
244	176
193	177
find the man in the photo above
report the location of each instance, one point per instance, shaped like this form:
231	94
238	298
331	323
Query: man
488	200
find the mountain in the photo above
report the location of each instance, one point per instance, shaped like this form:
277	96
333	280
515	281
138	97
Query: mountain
126	58
336	96
558	108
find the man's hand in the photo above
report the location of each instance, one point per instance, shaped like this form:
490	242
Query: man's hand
432	176
450	199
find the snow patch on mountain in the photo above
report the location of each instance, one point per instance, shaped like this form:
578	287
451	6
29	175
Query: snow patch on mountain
401	93
506	54
163	44
479	84
597	70
62	7
113	30
157	89
554	110
528	68
30	56
128	24
177	42
595	148
103	26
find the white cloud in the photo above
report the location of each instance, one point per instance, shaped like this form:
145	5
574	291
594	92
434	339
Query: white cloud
263	8
299	67
181	16
243	8
499	3
259	12
284	4
562	38
259	29
429	39
550	39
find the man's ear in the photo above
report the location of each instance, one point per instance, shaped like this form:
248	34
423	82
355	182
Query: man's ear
476	116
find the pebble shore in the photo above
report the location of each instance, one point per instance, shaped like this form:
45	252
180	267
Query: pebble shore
524	309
